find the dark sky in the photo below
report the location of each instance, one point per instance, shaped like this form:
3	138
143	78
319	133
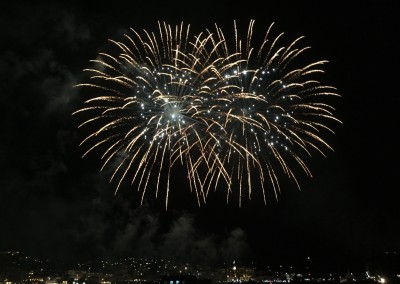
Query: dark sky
55	204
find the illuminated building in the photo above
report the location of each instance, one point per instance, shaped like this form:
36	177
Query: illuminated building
239	274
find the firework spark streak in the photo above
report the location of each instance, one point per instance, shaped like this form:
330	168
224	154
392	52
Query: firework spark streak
232	113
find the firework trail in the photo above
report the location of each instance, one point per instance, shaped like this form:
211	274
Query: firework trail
272	113
229	112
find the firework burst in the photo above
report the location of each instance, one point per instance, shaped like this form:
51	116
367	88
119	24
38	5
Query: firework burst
229	112
273	111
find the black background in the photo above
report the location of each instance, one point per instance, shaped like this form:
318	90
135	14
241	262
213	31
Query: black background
57	205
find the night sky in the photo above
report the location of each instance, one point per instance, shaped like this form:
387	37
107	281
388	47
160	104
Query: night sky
57	205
